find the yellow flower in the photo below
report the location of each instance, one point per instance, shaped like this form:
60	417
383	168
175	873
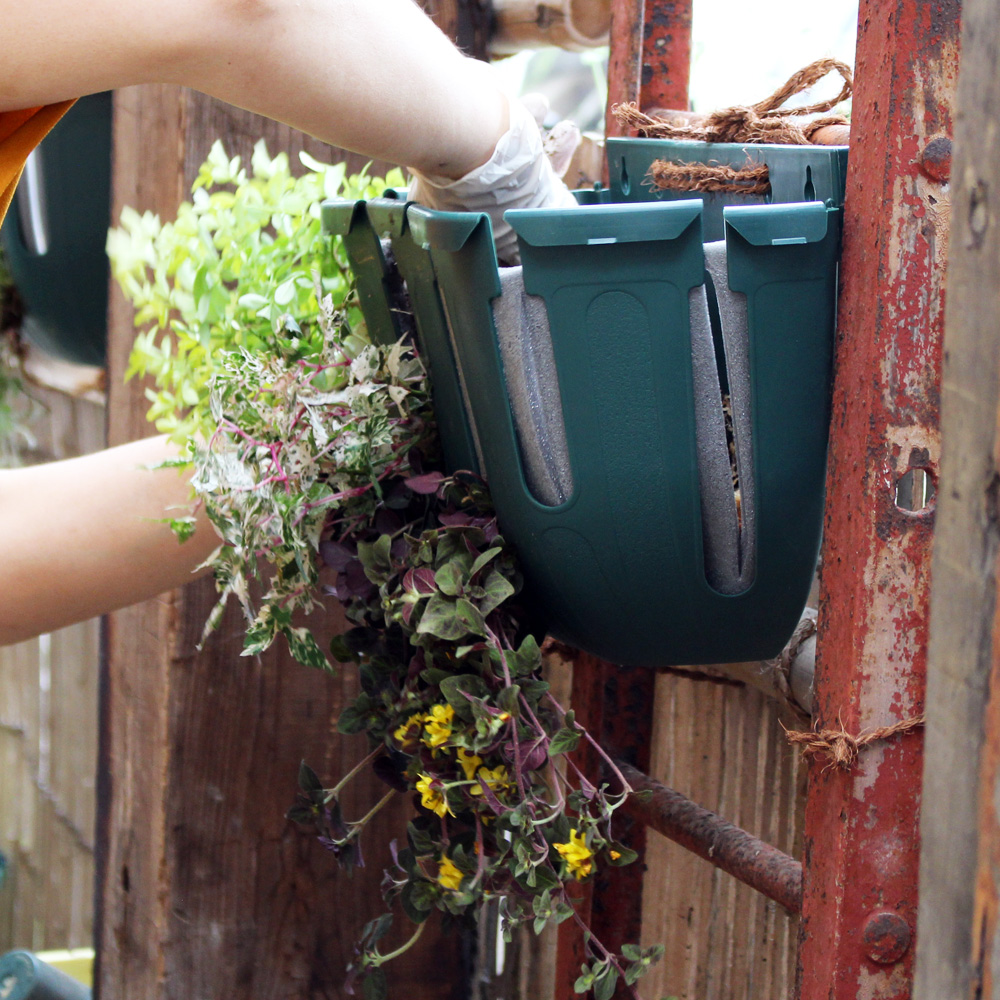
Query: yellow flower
408	733
615	855
437	725
577	855
496	780
448	875
469	762
432	798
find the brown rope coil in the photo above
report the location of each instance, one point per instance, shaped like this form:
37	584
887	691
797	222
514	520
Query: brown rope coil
754	178
764	121
840	748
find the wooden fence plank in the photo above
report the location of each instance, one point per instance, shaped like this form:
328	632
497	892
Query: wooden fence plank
952	923
48	726
721	745
205	890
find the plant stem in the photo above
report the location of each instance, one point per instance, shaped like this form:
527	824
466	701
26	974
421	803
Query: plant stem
382	959
609	956
335	791
626	787
357	827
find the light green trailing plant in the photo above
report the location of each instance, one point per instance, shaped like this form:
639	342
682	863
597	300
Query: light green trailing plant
317	462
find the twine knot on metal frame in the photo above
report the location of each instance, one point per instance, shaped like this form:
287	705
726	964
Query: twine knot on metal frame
841	748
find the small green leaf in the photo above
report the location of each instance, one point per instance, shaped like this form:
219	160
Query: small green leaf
301	814
625	855
182	527
564	741
471	617
449	578
376	929
375	986
606	984
341	651
309	779
487	557
459	688
498	588
441	618
413	904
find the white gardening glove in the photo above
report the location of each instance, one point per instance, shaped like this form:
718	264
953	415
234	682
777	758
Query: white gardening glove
518	175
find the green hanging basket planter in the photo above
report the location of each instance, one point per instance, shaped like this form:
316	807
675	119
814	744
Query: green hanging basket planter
650	410
55	231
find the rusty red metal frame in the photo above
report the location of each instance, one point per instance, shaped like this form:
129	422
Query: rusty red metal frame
624	58
650	57
666	55
862	827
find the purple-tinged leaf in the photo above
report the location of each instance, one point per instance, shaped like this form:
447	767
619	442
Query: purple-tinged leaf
427	483
335	555
491	800
356	583
388	770
537	755
456	520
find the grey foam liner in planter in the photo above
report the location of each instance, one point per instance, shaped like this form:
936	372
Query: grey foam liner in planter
587	387
525	342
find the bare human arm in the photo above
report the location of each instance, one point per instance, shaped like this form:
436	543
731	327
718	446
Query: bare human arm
82	537
373	76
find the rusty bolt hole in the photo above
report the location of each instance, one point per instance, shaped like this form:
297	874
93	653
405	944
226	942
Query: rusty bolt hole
915	490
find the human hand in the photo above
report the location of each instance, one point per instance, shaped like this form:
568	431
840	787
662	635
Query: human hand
524	172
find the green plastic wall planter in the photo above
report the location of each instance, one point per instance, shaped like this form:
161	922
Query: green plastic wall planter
796	173
23	976
620	565
367	230
55	232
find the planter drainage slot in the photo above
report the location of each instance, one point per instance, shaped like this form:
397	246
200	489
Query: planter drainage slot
650	409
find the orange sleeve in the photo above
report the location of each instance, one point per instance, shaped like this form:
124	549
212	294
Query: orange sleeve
20	132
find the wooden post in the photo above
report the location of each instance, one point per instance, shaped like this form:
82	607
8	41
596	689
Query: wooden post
469	23
204	889
958	926
862	826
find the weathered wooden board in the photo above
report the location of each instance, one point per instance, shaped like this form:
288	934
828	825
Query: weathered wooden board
957	935
48	745
722	746
205	890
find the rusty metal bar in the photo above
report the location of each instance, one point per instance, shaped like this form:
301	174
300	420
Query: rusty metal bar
862	826
719	842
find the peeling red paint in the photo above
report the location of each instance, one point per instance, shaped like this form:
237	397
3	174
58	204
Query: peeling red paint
862	828
666	55
624	59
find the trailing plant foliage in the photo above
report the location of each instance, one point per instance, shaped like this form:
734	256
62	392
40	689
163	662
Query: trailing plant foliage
317	463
